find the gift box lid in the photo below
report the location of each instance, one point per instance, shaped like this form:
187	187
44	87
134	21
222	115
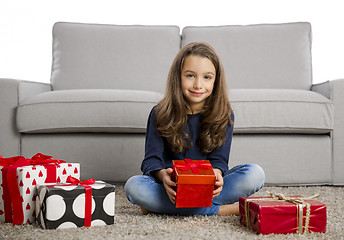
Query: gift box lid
193	172
266	204
68	191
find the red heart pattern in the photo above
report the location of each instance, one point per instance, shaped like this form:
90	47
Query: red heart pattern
28	178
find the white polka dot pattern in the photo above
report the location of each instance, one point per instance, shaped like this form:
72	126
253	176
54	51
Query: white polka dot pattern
56	202
108	208
64	206
79	206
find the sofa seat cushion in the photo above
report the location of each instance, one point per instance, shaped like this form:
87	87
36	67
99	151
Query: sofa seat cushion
94	110
281	111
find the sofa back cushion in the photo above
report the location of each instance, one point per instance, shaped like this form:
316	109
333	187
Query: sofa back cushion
95	56
260	56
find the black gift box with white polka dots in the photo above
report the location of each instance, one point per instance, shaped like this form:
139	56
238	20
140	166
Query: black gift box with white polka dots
61	206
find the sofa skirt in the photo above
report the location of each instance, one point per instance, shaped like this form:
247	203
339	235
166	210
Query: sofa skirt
107	157
287	159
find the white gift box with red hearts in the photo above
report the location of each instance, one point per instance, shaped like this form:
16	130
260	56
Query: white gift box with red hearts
29	176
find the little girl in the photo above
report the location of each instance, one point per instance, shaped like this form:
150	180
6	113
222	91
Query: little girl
194	120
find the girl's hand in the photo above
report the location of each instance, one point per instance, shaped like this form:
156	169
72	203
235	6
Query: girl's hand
164	175
218	182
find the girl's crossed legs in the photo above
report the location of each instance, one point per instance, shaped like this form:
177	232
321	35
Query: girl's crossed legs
240	181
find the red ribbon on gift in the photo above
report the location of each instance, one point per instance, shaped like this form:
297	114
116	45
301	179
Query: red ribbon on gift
194	166
12	198
7	163
88	197
46	160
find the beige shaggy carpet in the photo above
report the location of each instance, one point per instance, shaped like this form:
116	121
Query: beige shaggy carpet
131	224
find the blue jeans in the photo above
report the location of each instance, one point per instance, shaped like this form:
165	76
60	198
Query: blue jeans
240	181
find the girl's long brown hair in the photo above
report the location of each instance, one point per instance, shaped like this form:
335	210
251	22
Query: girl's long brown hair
171	111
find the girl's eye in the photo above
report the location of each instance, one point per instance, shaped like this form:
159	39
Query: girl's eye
207	77
190	75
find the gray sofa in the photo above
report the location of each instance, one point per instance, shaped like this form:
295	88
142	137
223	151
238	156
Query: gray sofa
106	78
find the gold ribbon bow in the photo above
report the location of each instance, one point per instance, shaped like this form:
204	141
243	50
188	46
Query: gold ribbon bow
298	201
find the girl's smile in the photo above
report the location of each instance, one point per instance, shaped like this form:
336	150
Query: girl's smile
197	94
197	81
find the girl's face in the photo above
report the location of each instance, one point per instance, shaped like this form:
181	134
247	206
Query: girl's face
197	81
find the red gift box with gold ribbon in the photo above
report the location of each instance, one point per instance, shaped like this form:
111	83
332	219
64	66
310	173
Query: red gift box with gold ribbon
282	214
18	179
195	183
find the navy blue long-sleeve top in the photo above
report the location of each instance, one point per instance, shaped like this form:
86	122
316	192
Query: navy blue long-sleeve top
158	154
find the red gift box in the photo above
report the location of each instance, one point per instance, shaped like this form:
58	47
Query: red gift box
18	179
281	214
195	183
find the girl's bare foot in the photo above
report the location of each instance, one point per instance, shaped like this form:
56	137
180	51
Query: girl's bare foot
145	211
229	209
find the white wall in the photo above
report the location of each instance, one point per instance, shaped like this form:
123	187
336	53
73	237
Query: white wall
25	26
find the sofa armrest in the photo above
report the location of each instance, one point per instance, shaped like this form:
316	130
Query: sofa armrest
28	89
11	93
323	89
334	91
